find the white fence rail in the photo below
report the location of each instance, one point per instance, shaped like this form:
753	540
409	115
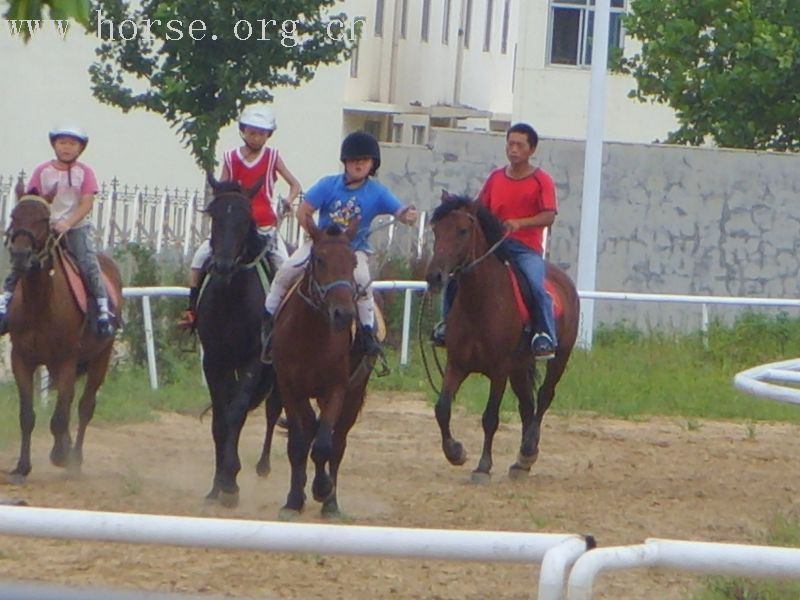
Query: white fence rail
698	557
756	381
556	552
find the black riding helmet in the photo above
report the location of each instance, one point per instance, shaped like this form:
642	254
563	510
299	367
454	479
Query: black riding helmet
361	144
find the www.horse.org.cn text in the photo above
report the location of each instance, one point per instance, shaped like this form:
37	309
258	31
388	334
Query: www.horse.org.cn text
264	30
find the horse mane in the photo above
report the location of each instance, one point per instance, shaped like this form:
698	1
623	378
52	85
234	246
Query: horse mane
491	226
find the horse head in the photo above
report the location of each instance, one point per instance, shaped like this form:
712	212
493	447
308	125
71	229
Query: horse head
28	238
454	224
232	226
330	272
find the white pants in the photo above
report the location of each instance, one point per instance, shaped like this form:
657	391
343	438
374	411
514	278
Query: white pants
293	268
276	254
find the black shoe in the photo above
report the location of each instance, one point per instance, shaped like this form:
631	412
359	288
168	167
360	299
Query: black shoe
105	328
438	337
3	323
371	345
543	347
266	338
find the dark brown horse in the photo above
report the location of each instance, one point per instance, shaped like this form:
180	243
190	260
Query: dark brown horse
47	327
485	331
229	313
314	357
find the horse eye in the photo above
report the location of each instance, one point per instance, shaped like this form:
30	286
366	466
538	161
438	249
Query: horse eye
463	231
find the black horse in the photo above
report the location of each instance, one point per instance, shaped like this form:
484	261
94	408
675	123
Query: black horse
229	312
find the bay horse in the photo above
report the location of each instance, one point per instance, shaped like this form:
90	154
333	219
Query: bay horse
48	327
229	310
314	356
485	330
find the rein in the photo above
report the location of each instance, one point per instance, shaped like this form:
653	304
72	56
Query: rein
463	269
48	250
316	293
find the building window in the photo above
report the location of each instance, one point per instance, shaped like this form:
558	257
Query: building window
487	32
506	17
373	128
418	134
397	133
467	23
571	23
426	20
379	18
404	19
354	61
446	23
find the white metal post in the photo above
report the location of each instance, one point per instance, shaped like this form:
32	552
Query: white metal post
189	227
148	336
133	234
406	328
592	170
162	208
421	234
108	207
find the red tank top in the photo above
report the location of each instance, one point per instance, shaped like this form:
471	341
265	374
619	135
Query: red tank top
248	173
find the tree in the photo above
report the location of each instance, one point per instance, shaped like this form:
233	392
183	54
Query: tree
58	9
729	68
199	63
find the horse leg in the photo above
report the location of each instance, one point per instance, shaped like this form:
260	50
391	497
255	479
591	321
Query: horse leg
274	406
490	421
23	374
545	395
64	374
353	403
302	428
248	380
522	384
94	379
219	381
453	449
322	447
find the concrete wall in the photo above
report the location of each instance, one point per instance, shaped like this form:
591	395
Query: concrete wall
673	219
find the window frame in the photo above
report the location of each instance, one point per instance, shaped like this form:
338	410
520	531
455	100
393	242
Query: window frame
585	10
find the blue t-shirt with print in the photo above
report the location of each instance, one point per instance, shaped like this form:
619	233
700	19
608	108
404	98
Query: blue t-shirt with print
338	204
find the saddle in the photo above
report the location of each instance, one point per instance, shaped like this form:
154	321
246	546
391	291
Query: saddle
78	287
524	295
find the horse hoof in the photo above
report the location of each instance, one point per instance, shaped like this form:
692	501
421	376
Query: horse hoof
527	461
263	469
454	452
289	514
16	478
481	477
229	499
58	458
517	472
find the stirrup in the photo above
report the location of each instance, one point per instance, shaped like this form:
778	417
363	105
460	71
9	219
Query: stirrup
438	335
105	326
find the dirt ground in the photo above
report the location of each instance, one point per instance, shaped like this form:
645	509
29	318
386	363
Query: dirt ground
622	481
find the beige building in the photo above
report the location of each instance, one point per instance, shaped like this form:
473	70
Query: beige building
419	64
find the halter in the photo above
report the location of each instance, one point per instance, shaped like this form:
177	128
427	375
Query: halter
40	257
239	265
317	293
465	266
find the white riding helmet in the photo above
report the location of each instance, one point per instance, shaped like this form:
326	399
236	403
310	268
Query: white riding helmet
73	131
259	116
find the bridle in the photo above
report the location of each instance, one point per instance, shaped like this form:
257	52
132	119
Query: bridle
317	293
239	264
50	243
469	262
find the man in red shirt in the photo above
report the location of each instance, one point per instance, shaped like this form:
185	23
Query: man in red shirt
523	197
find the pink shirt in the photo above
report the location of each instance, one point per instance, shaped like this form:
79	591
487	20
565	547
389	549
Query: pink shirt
68	186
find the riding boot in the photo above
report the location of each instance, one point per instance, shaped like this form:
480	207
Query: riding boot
438	335
188	318
266	337
371	345
105	324
5	302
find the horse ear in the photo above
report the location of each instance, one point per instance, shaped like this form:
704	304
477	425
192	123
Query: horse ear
19	190
253	190
49	196
212	182
445	196
352	228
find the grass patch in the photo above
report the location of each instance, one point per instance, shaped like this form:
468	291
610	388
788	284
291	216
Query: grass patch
784	530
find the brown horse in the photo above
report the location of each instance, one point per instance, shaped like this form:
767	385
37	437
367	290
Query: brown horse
314	357
48	327
485	332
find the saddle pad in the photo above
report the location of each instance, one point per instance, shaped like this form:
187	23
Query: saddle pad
550	288
78	288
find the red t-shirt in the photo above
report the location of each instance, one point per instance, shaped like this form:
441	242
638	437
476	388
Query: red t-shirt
509	198
248	173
